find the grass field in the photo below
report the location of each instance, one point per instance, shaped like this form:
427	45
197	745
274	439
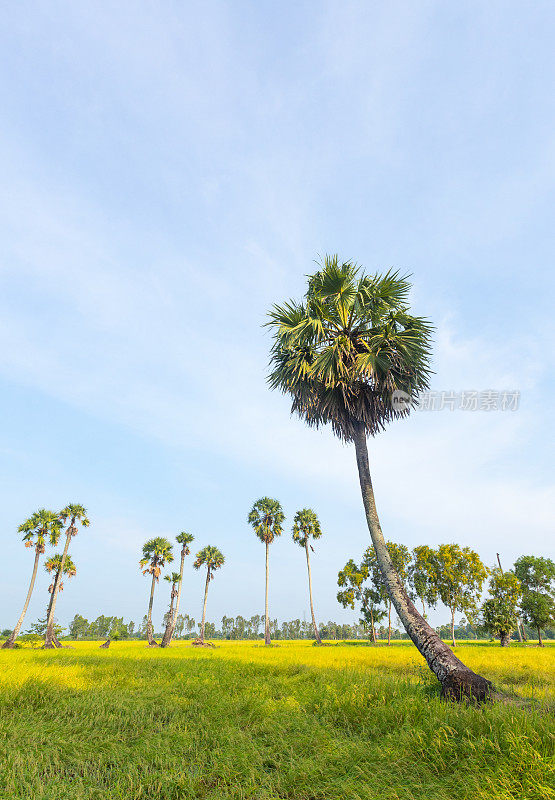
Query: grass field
293	721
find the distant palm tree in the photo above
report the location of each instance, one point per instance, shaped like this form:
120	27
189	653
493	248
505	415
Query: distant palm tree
76	514
157	553
352	355
306	526
56	564
173	579
267	518
42	525
212	559
184	539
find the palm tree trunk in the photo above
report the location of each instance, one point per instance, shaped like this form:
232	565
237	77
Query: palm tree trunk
204	606
453	642
10	642
168	634
50	640
316	634
149	631
389	625
456	679
267	639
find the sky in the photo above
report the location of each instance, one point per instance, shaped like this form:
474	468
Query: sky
169	170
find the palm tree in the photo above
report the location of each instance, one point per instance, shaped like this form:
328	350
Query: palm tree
76	514
157	553
266	517
352	355
212	559
306	525
42	525
184	539
57	564
173	579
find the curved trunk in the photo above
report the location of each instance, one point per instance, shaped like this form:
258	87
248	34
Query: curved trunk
504	638
267	639
453	642
9	643
168	633
316	634
50	639
204	606
519	632
149	631
456	679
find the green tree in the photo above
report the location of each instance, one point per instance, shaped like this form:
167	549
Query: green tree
77	515
420	573
78	627
537	576
500	611
211	558
184	539
306	526
157	553
458	576
353	356
43	525
59	567
351	578
267	518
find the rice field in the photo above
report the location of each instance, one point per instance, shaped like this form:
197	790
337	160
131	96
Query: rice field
344	722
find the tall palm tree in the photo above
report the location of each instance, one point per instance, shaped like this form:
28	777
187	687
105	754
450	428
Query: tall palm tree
42	525
184	539
306	526
76	514
352	355
212	559
173	579
157	553
57	564
267	518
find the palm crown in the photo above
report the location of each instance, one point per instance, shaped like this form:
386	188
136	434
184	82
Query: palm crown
75	512
348	347
267	517
210	557
306	525
54	563
156	553
41	525
185	539
173	577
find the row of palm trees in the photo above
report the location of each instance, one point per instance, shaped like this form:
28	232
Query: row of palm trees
42	528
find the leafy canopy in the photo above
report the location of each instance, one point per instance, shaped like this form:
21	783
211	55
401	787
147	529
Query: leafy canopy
210	557
500	611
267	518
54	564
157	553
537	576
40	526
306	526
345	349
75	512
184	539
172	577
458	576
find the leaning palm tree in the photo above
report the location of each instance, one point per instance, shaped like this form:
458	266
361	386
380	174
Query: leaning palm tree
42	525
266	517
212	559
184	539
352	355
306	525
157	553
173	579
60	567
76	514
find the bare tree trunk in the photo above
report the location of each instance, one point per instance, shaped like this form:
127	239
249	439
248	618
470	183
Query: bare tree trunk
519	632
168	633
9	643
505	638
456	679
389	625
517	619
540	640
373	628
453	642
316	634
204	606
267	639
423	609
149	630
49	636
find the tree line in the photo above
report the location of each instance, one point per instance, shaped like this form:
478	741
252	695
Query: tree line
455	576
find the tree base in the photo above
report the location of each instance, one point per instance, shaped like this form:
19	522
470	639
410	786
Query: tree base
106	645
49	646
8	645
466	685
153	644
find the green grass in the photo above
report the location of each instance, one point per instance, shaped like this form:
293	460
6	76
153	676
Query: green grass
293	721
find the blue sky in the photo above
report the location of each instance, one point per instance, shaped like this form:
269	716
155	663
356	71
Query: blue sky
169	170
